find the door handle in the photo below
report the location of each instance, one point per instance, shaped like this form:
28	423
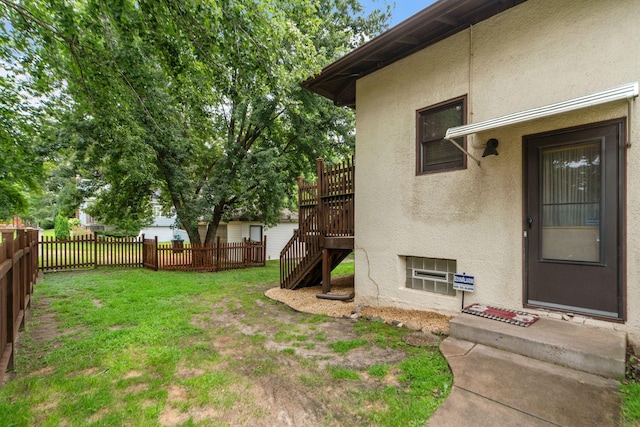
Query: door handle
530	221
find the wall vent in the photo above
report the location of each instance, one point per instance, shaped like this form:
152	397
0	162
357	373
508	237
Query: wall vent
438	276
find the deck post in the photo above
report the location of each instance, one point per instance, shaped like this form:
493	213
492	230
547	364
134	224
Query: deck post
326	271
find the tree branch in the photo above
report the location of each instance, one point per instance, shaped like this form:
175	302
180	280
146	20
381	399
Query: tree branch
28	16
205	176
125	78
73	45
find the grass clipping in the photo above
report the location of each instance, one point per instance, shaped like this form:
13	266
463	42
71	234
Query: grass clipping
305	300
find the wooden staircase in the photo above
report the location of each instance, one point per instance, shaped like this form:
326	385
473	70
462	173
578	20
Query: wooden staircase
325	228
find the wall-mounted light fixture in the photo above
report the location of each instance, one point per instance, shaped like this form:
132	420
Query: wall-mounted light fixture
490	149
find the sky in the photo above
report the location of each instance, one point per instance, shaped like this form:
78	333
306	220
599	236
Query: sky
402	10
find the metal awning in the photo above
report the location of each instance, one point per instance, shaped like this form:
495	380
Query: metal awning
627	91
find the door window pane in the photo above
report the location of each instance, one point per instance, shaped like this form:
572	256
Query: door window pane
570	200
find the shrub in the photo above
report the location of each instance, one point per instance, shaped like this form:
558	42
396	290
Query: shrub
47	223
113	233
61	227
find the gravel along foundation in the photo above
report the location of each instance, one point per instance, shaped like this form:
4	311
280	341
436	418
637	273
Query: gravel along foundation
305	300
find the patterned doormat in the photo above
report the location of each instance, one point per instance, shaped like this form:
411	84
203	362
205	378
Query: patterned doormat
512	317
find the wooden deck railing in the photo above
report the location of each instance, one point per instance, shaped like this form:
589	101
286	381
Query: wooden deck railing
325	209
336	201
333	194
18	273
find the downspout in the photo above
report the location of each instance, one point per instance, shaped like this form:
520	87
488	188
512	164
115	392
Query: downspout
470	96
629	117
336	297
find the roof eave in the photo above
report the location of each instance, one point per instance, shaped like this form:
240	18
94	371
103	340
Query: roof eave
440	21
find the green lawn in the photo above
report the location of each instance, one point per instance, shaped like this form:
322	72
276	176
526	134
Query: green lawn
142	348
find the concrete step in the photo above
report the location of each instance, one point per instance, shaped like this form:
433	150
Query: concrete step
595	350
497	388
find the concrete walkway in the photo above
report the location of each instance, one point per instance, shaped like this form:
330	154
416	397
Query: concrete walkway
494	387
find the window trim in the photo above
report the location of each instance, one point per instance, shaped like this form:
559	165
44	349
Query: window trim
439	105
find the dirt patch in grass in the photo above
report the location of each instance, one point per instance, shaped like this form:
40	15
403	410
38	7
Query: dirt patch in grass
287	358
43	333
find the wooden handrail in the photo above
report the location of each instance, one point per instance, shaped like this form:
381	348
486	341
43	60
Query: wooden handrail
297	253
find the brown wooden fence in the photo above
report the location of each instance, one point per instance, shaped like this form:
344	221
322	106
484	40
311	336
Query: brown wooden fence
218	257
98	251
18	273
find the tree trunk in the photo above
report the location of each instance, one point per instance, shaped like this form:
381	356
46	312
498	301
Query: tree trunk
193	233
212	227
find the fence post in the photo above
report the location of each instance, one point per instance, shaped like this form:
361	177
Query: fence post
217	267
155	248
144	250
27	268
7	239
246	251
23	278
264	251
94	242
32	235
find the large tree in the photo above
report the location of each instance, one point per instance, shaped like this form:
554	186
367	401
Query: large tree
199	100
21	156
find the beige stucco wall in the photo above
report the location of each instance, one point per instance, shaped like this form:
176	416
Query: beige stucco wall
537	53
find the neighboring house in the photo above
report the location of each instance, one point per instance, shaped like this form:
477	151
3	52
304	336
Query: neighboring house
239	229
549	224
86	220
163	226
